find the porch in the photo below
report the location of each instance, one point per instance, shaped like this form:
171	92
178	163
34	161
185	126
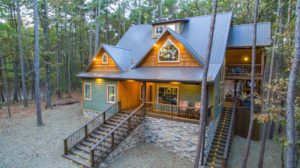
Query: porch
172	100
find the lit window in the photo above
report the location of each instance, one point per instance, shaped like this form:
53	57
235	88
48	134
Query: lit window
104	59
159	30
168	53
168	95
111	93
171	26
87	91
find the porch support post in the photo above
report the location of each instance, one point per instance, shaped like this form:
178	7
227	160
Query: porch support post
144	97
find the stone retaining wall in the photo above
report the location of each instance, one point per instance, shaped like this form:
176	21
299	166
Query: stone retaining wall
178	137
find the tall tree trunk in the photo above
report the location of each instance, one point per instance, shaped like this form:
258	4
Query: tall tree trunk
246	152
97	31
267	104
24	89
58	61
124	19
203	110
91	41
140	12
37	65
290	161
5	85
68	63
160	10
106	24
47	58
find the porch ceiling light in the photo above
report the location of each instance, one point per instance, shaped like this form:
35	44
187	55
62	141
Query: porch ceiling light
246	58
95	59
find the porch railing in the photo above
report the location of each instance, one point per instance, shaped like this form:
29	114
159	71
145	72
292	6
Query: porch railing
90	126
116	135
176	111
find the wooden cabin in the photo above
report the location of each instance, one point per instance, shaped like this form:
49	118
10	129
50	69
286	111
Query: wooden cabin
156	70
167	58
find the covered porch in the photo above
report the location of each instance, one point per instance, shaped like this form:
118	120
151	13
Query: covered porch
169	100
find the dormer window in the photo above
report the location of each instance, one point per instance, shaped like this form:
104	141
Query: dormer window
159	30
104	59
168	53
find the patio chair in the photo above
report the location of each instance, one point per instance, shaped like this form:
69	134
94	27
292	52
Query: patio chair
197	107
183	106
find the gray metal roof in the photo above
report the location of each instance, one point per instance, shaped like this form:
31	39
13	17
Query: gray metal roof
182	40
121	56
241	35
162	74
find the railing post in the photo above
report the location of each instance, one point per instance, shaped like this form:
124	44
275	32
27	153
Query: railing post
104	117
65	146
92	158
172	110
86	131
129	124
112	140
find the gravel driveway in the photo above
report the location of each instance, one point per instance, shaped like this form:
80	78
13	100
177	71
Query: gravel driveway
24	145
150	156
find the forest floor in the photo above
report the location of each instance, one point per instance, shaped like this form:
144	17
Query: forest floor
150	156
24	145
272	156
17	107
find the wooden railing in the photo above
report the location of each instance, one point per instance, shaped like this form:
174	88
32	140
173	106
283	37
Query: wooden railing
90	126
229	136
116	135
242	69
178	111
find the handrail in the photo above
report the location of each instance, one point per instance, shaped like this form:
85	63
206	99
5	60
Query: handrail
85	129
225	154
118	126
93	119
136	116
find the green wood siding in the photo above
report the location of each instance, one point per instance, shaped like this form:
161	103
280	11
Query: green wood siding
99	97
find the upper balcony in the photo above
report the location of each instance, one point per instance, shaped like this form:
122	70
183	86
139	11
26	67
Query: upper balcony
238	64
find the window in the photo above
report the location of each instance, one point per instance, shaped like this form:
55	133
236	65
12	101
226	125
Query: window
159	30
168	95
171	26
87	91
104	59
111	93
141	92
168	53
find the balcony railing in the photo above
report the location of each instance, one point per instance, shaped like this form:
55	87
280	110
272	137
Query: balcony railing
242	69
176	111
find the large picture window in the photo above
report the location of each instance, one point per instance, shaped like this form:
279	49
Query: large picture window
168	95
87	91
111	93
168	53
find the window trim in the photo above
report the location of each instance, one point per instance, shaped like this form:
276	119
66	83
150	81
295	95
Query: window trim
106	58
142	91
115	94
84	95
158	34
169	40
166	86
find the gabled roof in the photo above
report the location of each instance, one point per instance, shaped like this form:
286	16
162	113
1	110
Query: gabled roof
121	56
182	40
241	35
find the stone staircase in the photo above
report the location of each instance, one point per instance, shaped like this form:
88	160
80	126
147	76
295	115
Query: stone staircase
96	145
222	141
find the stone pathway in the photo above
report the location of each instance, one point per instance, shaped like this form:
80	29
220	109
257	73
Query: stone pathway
150	156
